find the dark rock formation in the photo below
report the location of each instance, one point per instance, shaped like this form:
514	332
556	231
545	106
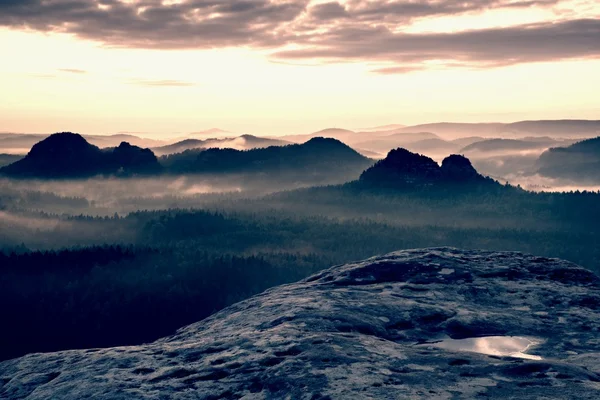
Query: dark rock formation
402	168
69	155
372	329
459	169
319	160
132	159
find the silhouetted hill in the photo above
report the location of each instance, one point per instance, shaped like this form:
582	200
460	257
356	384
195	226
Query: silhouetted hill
317	158
465	141
552	128
457	168
557	128
179	147
578	162
69	155
211	133
457	129
132	159
384	144
344	135
511	145
18	143
402	168
243	142
382	128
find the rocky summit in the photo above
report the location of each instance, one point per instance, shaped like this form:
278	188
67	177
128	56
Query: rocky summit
436	323
402	168
69	155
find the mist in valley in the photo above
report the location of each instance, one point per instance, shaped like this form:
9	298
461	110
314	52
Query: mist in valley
206	228
299	199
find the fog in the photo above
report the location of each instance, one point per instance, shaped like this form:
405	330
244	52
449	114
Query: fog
105	196
538	183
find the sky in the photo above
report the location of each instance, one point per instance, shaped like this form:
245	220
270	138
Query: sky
274	67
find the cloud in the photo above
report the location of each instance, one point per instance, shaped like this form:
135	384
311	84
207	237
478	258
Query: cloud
160	83
405	69
151	24
476	48
373	31
73	70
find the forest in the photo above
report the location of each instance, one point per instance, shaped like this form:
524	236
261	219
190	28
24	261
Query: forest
94	279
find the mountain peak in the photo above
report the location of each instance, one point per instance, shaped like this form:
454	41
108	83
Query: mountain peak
402	167
321	140
459	168
69	155
62	142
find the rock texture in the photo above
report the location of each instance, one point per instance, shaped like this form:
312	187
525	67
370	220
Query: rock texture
359	331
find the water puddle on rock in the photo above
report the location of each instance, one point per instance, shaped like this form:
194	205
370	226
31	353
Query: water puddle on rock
511	346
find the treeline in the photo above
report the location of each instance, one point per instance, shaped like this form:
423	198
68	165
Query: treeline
168	268
109	296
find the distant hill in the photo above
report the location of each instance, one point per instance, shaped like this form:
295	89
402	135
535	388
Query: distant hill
509	157
343	135
579	162
382	128
383	144
69	155
244	142
433	147
18	143
449	130
508	145
465	141
104	141
557	128
319	159
211	133
6	159
368	153
551	128
402	168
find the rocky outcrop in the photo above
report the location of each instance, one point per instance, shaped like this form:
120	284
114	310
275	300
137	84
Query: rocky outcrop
402	168
69	155
387	327
132	159
458	168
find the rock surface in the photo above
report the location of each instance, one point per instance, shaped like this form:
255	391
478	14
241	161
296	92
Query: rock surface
357	331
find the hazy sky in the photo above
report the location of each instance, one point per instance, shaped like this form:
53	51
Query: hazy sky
293	66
